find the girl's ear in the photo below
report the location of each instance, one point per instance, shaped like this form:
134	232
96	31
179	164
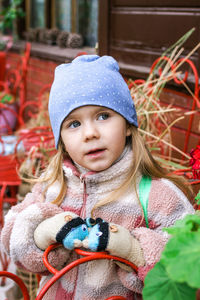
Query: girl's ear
128	129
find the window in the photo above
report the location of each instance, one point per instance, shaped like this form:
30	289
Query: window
77	16
62	14
37	13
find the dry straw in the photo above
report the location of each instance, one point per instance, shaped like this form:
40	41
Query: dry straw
156	119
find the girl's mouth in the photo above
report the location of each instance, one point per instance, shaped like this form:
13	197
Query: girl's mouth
95	152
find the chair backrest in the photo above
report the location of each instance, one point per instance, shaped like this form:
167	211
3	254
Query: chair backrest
87	256
2	65
16	79
14	86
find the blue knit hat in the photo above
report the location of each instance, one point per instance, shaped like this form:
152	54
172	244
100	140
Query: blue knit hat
89	80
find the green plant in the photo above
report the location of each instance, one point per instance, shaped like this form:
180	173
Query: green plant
197	198
6	98
176	275
9	15
2	45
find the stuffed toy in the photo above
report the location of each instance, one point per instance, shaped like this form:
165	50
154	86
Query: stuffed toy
115	239
66	228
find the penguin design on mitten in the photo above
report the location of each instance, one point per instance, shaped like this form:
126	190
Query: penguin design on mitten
98	237
72	233
115	239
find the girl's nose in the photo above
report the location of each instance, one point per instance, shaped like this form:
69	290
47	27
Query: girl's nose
90	131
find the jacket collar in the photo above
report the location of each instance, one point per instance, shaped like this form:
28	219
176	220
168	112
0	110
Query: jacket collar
119	169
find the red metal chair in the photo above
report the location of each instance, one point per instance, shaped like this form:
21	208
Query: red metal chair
15	85
9	181
16	79
87	256
29	109
2	65
38	138
18	281
38	145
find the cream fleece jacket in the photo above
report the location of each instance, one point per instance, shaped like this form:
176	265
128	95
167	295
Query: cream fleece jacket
101	279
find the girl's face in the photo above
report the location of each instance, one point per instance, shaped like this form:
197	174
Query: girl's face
94	136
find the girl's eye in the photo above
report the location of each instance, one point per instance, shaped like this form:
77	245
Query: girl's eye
99	233
74	124
103	116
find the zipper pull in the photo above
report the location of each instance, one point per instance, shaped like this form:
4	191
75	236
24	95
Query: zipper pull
82	178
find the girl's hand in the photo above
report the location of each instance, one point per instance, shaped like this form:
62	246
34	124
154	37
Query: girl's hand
66	228
115	239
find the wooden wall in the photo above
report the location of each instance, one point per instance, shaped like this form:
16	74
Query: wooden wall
136	32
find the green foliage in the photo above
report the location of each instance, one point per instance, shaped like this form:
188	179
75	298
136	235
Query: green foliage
2	45
159	286
6	98
181	258
189	224
10	13
177	274
197	198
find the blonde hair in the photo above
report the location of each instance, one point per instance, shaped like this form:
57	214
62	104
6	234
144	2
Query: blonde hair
143	161
54	172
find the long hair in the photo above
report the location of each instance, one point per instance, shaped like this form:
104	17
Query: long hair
143	162
54	172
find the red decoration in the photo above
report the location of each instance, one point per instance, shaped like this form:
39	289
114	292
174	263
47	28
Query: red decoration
195	162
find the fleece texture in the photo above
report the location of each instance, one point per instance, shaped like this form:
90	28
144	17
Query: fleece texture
101	279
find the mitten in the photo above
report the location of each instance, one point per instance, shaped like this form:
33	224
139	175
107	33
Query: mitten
66	228
115	239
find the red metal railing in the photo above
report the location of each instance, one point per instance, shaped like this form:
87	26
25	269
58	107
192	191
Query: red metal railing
18	281
15	85
195	99
87	256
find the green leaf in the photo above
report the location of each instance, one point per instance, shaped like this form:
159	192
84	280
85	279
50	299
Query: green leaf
188	224
17	2
181	258
159	286
197	198
12	12
6	98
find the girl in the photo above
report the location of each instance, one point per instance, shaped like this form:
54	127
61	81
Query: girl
96	172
